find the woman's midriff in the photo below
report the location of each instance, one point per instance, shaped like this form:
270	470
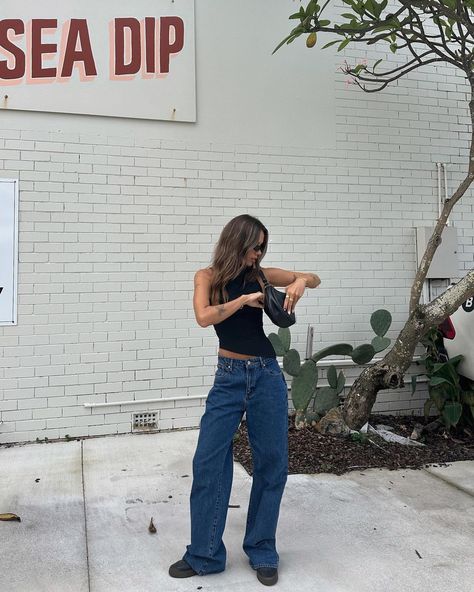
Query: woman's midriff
230	354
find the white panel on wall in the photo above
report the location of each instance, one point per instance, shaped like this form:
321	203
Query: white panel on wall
8	250
245	95
99	58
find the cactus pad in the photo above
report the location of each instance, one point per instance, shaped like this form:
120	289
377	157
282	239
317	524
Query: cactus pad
285	337
340	349
380	343
304	385
363	354
332	377
277	344
291	362
380	321
326	398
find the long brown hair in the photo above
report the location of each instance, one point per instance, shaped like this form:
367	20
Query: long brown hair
237	237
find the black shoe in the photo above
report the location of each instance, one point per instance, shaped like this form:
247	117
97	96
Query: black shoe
267	575
181	569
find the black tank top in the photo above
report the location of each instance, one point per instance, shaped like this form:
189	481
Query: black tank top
243	332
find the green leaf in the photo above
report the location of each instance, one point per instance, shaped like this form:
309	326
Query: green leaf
292	362
277	344
393	47
436	380
363	354
451	413
324	23
343	44
413	383
439	397
311	8
380	321
330	43
456	360
332	377
285	40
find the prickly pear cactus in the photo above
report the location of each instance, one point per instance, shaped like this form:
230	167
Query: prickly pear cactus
304	385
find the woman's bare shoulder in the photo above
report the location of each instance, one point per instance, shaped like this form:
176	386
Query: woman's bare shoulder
206	273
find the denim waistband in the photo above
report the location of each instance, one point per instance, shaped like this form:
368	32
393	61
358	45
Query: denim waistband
257	361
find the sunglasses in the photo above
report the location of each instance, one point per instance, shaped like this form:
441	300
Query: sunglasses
259	248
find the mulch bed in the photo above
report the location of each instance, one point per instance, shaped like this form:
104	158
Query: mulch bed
311	452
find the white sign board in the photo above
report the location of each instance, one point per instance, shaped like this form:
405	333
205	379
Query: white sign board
8	250
125	59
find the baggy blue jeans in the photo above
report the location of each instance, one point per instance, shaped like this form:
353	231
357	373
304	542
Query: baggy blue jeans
258	387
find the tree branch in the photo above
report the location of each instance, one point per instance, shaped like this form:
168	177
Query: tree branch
435	239
386	82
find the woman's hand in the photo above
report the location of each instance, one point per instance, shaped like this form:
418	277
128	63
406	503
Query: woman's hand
255	299
294	291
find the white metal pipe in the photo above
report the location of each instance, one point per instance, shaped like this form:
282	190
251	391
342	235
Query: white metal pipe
322	363
144	401
309	342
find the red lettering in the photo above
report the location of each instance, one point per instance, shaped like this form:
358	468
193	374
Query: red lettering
38	49
78	31
167	48
18	70
121	68
150	33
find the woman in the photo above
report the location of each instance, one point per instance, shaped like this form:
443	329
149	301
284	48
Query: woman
229	296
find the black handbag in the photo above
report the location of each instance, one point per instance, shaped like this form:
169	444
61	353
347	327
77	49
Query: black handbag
273	305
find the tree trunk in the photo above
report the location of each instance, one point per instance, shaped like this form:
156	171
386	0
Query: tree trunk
389	372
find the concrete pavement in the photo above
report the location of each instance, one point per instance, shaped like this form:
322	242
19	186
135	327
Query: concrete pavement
85	523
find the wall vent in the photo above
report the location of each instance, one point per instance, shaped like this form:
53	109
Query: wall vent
144	421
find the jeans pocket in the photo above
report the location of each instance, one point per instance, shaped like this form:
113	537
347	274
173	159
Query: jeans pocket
273	369
223	369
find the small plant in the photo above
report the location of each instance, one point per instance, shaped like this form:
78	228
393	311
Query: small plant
311	402
449	392
359	437
40	441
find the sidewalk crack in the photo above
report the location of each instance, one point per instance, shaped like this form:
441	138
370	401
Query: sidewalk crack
85	516
449	482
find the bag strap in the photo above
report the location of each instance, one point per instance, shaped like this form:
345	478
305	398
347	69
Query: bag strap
265	281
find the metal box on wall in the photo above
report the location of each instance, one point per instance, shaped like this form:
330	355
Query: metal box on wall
445	261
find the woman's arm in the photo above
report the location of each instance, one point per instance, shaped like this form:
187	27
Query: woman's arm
282	278
205	313
294	281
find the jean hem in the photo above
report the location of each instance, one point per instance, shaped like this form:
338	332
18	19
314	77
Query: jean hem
264	565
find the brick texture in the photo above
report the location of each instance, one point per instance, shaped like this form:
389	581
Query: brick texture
113	228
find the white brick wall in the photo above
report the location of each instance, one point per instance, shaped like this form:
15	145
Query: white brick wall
113	227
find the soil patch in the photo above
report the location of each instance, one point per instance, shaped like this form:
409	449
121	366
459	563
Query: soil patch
311	452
